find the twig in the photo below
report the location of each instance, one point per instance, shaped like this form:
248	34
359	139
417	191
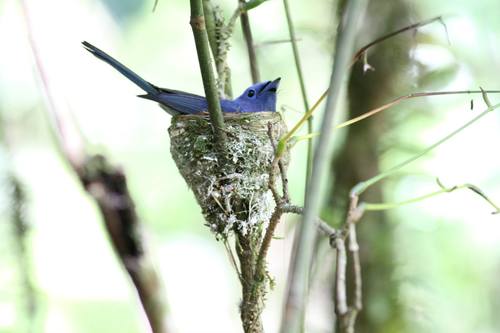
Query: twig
341	308
346	317
347	314
266	241
295	139
354	250
284	140
281	201
323	227
361	52
400	99
298	66
210	25
218	34
389	205
277	163
277	41
303	250
203	50
251	4
247	34
362	186
232	258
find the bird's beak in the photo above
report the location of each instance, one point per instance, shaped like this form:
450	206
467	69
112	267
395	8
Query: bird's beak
273	85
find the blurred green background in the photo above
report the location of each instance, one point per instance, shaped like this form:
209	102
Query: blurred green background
445	252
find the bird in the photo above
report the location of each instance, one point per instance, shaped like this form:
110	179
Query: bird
256	98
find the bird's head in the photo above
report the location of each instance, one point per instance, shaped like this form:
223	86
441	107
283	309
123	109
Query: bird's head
259	97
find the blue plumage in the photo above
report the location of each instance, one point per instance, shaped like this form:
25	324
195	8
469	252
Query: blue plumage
258	97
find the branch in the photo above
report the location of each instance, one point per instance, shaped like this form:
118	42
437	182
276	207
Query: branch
292	319
251	4
400	99
203	50
356	57
347	314
218	34
247	34
323	227
362	51
443	189
362	186
281	201
277	41
296	56
295	139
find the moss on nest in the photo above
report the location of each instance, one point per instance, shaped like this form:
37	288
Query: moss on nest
233	194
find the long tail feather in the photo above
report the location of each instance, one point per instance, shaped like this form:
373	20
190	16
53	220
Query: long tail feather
143	84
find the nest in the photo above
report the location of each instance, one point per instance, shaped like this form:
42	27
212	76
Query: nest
234	193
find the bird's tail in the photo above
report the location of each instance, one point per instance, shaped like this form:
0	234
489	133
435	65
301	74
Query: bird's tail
143	84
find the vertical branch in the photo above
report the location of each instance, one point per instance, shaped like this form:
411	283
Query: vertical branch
210	25
253	284
203	50
247	33
347	314
340	278
298	66
210	14
358	282
107	185
292	319
218	34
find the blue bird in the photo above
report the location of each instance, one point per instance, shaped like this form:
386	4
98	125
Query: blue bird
258	97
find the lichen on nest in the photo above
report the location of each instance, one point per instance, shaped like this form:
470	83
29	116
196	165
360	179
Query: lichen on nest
233	193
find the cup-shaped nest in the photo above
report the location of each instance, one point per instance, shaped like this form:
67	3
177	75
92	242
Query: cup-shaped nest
232	189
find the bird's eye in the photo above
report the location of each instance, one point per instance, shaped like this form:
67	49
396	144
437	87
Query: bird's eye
251	93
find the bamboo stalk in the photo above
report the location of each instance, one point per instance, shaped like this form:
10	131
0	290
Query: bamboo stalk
298	66
293	315
247	34
206	67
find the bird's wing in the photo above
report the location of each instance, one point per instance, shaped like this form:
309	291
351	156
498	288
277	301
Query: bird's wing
182	102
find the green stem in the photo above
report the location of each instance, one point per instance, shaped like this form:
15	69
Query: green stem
372	112
361	187
293	316
296	56
390	205
251	4
282	143
208	11
203	50
247	34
